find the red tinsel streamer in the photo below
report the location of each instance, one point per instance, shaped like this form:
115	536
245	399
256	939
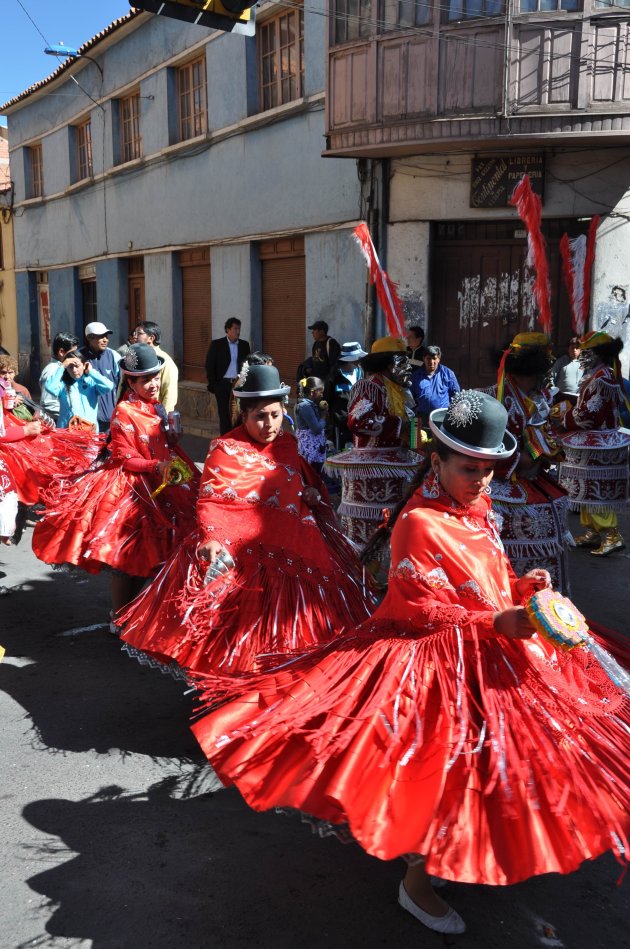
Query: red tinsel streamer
529	209
386	289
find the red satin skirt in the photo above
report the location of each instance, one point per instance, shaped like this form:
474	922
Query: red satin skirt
34	462
497	759
107	517
274	602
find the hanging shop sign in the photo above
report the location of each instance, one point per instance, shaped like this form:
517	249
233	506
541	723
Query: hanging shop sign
494	178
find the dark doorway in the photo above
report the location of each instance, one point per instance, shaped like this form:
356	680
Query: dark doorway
481	293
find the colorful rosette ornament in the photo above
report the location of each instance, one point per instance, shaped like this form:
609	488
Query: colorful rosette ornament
558	620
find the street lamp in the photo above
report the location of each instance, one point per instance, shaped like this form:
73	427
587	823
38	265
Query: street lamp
70	53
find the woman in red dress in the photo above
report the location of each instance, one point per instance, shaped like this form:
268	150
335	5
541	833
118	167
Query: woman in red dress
117	514
443	729
267	572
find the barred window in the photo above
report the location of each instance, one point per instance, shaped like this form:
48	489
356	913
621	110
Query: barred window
129	119
353	19
37	171
281	59
84	150
192	99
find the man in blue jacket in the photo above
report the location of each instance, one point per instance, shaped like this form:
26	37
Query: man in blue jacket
105	361
432	385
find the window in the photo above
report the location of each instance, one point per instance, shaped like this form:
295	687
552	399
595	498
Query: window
129	117
83	134
88	295
550	6
400	14
468	9
192	100
37	171
353	19
281	59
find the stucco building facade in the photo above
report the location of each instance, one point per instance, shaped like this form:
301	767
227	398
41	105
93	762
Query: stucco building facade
175	173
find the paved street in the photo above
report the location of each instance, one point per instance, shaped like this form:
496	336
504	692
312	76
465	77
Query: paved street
115	839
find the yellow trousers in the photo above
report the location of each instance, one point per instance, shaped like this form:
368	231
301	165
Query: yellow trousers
600	522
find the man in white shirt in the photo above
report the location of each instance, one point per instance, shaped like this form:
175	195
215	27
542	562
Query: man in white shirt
224	361
148	332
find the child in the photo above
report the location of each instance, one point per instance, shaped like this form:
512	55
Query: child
311	418
77	386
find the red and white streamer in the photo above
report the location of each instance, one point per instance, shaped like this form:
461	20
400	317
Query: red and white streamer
386	289
578	256
529	207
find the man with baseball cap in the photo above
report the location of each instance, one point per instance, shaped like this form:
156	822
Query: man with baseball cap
105	361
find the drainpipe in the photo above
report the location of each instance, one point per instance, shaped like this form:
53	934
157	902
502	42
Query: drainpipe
507	63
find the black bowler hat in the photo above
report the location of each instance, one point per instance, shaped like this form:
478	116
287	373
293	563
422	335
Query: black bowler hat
141	360
258	382
474	424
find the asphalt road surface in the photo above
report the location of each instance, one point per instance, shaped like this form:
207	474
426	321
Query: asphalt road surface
115	836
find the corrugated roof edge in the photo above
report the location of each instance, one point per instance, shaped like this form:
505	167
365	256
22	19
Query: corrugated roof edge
90	44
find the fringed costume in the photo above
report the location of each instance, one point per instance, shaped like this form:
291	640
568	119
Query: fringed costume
295	581
595	470
34	460
108	516
424	732
376	470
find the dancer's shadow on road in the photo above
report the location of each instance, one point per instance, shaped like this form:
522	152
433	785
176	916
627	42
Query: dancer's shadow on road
80	691
163	870
154	872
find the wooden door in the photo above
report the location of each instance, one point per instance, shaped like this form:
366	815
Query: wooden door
135	291
284	304
482	295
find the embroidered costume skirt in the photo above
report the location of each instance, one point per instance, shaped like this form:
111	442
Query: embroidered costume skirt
534	526
595	471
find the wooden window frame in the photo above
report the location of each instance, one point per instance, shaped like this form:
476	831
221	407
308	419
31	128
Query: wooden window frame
36	159
353	20
129	127
83	144
192	99
536	6
89	300
457	11
281	59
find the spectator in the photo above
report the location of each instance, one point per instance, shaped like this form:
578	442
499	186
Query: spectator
63	343
147	332
567	371
415	345
105	361
224	361
337	391
311	414
8	372
78	387
325	352
432	385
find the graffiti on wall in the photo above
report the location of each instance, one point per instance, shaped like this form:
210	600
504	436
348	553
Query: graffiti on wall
490	299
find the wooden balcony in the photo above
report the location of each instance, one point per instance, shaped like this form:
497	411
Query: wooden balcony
562	76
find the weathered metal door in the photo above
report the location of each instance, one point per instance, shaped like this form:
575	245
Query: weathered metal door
481	295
